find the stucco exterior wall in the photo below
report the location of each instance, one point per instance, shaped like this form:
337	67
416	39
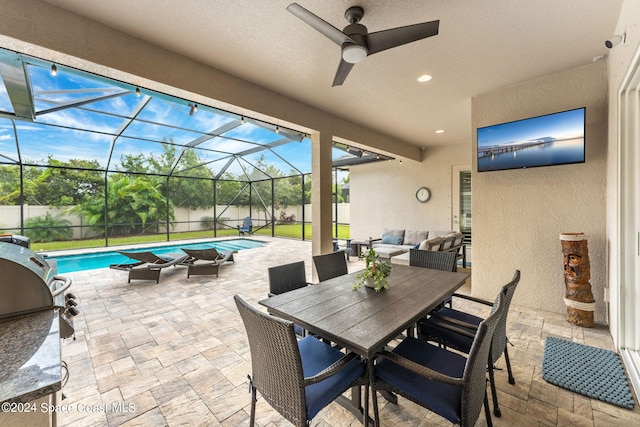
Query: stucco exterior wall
383	194
519	214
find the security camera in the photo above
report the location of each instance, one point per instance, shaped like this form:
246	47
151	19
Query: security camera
614	41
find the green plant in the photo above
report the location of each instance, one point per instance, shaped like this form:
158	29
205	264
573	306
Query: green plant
47	228
207	222
376	270
135	205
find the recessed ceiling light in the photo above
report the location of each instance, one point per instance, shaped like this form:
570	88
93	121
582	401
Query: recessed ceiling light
440	131
424	78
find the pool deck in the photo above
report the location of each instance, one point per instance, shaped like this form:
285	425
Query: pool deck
176	353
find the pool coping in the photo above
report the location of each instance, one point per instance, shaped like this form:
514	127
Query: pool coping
100	249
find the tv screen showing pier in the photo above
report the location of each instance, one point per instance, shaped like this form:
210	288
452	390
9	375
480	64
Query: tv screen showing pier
553	139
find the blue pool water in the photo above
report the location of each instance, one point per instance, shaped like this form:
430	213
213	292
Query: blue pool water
89	261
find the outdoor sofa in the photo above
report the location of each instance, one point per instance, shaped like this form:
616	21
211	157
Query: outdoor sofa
396	243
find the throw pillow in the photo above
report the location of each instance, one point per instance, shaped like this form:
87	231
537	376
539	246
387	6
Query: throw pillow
391	240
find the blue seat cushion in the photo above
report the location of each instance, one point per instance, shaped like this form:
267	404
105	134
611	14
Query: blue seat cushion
450	338
317	356
299	330
443	399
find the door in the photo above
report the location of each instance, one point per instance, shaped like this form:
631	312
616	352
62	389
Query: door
625	313
461	203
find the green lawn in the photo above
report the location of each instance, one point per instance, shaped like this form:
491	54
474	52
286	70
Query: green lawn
287	230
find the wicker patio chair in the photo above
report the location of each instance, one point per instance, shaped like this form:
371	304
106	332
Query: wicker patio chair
442	381
330	265
436	260
148	265
297	378
287	277
445	261
454	328
205	261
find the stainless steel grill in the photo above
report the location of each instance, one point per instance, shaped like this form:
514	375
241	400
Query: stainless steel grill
28	283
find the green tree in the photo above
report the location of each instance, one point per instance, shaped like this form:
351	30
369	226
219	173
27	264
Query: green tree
58	184
189	181
135	205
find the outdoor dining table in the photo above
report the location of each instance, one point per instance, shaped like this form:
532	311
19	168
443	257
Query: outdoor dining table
364	321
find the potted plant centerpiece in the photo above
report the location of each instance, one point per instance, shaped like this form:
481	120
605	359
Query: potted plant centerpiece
375	272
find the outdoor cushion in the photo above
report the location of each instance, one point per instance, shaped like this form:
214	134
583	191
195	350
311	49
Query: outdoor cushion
438	233
412	237
393	232
431	244
391	240
316	356
448	241
442	398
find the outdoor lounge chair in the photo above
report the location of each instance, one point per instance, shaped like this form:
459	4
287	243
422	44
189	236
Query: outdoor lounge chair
205	261
148	265
246	227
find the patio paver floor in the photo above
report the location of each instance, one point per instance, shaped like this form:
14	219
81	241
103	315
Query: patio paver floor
175	354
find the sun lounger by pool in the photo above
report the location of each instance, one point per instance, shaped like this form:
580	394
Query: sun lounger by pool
205	261
148	265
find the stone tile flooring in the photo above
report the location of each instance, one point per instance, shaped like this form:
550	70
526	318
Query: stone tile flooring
175	354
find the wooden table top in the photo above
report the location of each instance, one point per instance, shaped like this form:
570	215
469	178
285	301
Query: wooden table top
364	320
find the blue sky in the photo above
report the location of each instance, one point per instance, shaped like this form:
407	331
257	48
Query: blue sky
560	125
87	135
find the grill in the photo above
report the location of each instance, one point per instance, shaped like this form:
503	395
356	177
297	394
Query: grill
29	283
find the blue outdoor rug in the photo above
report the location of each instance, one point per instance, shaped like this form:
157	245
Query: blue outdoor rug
590	371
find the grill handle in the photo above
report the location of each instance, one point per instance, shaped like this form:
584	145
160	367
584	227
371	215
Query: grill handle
65	286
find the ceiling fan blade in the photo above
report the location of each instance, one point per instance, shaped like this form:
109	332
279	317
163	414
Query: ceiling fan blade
343	71
326	29
386	39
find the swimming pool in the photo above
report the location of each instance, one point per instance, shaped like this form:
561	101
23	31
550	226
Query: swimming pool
90	261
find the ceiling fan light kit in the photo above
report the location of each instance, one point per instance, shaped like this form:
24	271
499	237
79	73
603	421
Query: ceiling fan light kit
355	41
354	53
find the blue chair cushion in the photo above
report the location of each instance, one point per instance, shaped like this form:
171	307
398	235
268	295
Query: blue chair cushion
450	338
443	399
317	356
299	330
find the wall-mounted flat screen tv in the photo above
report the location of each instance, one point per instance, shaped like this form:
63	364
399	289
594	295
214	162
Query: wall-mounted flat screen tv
552	139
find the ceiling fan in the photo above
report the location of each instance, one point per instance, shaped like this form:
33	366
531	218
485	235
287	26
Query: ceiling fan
355	41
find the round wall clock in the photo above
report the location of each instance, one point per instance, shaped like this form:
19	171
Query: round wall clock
423	194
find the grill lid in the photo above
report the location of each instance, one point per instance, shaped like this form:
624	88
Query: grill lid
24	279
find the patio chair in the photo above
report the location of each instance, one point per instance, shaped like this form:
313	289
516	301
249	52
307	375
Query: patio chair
330	265
346	249
437	260
442	381
148	265
205	261
297	378
285	278
246	227
454	328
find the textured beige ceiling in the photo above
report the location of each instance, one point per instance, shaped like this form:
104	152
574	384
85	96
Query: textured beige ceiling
482	45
